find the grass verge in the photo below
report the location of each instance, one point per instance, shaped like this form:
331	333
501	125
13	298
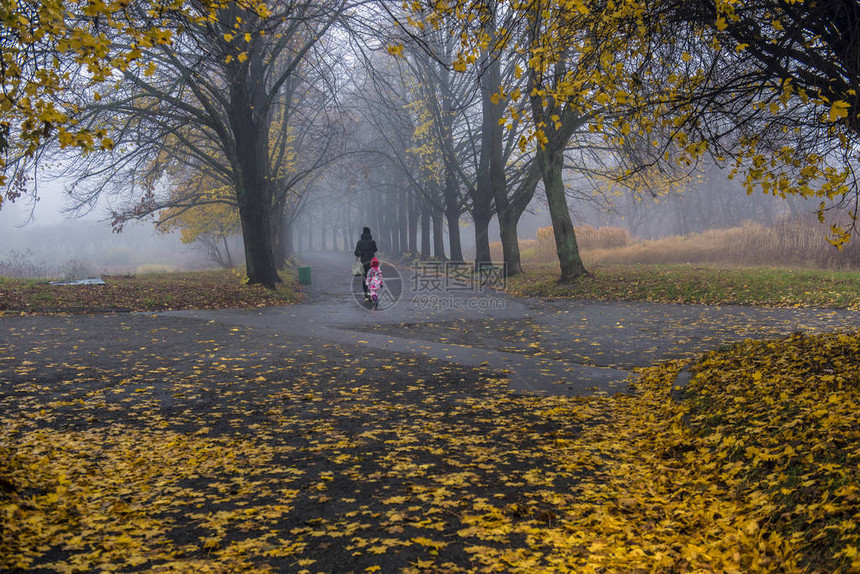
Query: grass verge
697	284
150	292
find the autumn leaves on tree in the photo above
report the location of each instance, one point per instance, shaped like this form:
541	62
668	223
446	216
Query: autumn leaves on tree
763	86
181	88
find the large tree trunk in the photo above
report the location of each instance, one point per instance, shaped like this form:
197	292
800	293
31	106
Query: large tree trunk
482	194
558	121
552	164
509	211
256	231
254	211
451	189
481	218
438	238
550	160
254	195
510	246
491	169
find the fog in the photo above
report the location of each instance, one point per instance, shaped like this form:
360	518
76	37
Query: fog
41	239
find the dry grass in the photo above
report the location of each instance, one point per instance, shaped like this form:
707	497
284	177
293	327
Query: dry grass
542	249
795	243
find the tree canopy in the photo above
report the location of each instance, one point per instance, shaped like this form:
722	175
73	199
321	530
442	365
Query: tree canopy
254	94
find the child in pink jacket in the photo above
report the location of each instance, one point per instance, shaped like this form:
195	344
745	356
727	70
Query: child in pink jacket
374	281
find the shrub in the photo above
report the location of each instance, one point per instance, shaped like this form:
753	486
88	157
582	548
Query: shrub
22	266
496	253
546	251
528	250
587	238
791	242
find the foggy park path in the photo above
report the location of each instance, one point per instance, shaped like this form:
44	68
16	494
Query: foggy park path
231	439
558	347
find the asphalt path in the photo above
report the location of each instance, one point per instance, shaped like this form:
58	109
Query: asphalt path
559	347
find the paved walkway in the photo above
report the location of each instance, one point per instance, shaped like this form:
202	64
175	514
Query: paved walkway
567	347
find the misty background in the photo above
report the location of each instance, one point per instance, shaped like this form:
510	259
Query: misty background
41	239
44	239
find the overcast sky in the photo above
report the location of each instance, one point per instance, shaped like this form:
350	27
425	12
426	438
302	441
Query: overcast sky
47	211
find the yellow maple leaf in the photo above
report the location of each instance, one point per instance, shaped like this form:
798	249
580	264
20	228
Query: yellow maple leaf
839	109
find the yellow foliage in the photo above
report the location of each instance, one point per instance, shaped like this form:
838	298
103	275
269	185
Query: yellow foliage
839	109
201	208
80	33
580	56
752	467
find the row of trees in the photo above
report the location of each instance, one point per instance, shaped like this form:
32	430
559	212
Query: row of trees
362	111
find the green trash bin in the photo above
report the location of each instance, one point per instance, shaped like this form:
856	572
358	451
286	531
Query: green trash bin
304	275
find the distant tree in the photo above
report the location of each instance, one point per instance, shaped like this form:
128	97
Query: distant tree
401	151
446	97
457	105
210	220
562	48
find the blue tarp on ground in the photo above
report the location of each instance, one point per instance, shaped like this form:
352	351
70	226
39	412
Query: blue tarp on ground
89	281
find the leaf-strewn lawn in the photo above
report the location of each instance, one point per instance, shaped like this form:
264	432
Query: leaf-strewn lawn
152	292
705	285
656	283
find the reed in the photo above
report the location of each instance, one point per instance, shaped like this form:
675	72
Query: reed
542	248
800	242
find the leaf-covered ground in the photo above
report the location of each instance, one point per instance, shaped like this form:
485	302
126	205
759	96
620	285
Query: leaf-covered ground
656	283
153	292
161	445
697	284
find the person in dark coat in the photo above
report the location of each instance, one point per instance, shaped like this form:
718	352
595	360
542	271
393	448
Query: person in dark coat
365	250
